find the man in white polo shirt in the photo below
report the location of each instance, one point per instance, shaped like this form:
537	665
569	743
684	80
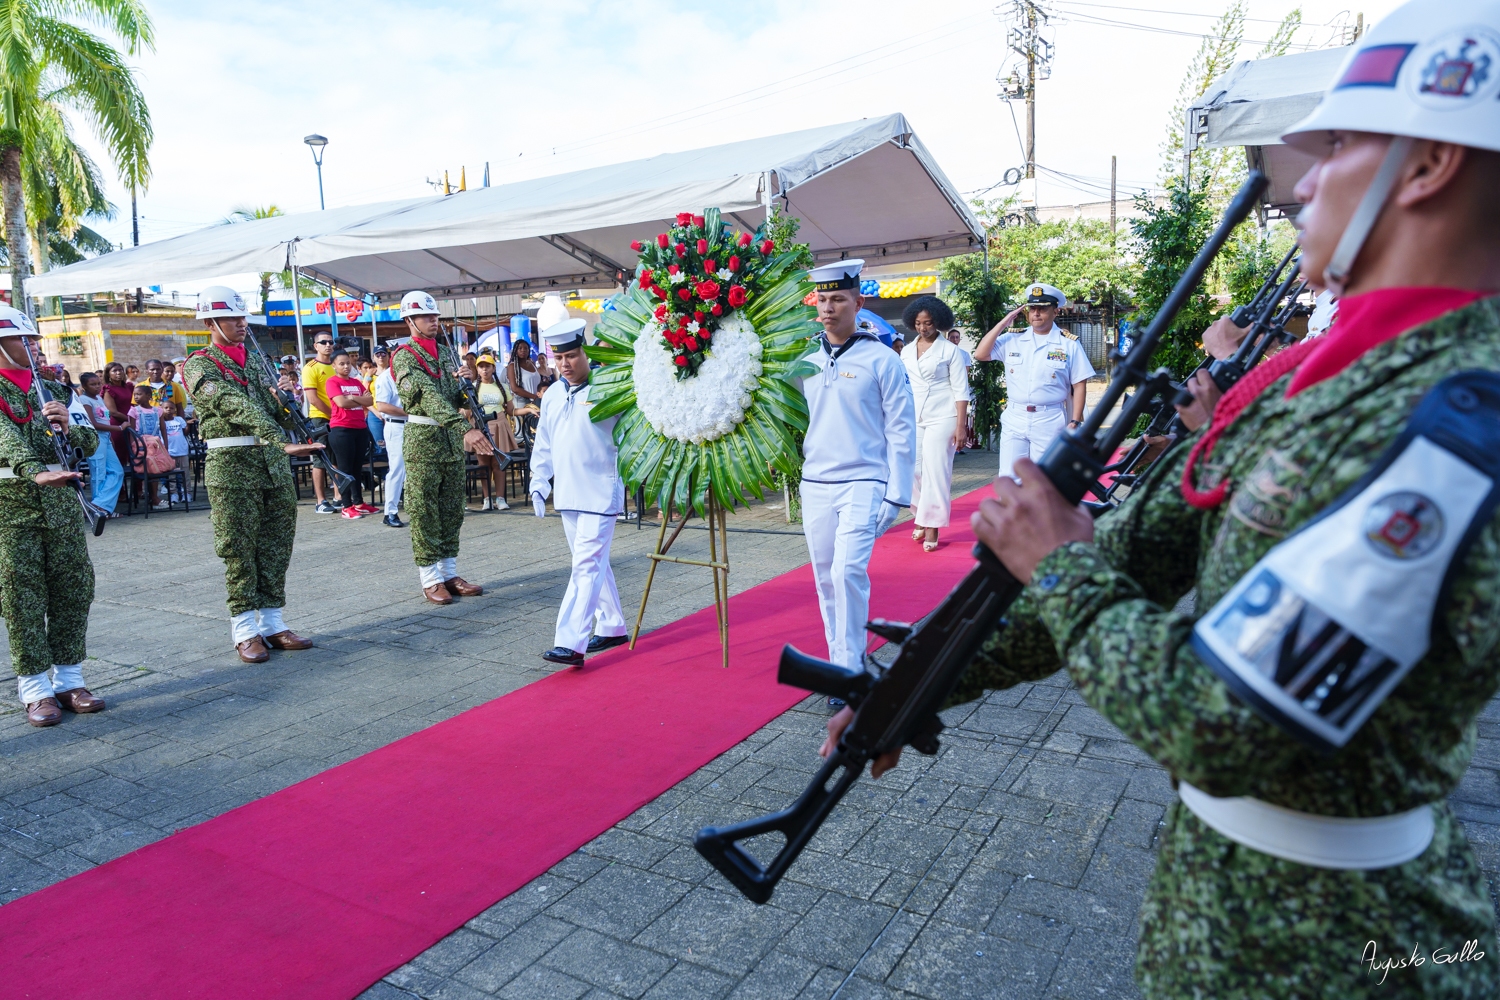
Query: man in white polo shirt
1045	372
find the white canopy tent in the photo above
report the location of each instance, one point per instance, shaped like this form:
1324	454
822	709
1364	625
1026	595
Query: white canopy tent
867	188
1253	104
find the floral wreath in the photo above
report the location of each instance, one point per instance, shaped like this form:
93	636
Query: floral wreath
700	355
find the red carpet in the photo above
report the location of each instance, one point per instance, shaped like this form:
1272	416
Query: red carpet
324	887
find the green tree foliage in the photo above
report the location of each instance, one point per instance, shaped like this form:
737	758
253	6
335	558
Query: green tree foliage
978	298
1167	238
50	65
281	279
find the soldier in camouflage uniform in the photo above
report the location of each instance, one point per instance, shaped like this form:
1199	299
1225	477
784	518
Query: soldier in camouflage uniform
1223	919
46	578
437	432
248	475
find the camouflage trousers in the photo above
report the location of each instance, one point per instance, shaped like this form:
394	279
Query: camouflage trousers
46	587
434	501
253	534
1224	922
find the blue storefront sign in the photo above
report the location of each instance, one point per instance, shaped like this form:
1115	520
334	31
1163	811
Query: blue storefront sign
315	312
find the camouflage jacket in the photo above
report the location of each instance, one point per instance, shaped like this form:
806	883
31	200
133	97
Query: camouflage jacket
231	401
1103	610
26	449
429	388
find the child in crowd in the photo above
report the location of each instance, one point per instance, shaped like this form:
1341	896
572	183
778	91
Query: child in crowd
145	417
174	428
147	422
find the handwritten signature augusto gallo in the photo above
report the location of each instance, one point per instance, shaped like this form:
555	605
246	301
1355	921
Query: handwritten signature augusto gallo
1469	952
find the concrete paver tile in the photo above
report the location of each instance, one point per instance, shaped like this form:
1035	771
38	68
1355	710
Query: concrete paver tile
724	932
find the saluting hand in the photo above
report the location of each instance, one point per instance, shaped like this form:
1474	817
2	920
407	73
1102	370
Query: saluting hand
1026	522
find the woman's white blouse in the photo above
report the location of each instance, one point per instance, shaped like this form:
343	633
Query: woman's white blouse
938	380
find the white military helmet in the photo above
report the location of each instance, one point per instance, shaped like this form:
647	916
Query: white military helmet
15	323
418	304
220	302
1429	70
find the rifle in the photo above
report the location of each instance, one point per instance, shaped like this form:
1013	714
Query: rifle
302	432
95	515
898	705
471	403
1265	320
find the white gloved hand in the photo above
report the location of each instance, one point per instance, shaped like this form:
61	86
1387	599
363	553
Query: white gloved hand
888	514
539	504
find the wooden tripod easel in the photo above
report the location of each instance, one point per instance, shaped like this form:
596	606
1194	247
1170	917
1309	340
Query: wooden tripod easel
717	522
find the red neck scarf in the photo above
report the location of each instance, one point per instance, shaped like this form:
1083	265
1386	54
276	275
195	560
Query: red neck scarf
1364	322
21	379
430	346
235	352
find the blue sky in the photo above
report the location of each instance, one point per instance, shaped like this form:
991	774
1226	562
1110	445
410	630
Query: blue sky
404	90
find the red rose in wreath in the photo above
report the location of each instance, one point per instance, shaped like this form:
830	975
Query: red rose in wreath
708	290
736	296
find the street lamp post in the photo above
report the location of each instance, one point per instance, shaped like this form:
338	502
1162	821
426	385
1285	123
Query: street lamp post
316	143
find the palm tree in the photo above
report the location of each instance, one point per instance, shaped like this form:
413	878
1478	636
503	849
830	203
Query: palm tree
50	65
246	213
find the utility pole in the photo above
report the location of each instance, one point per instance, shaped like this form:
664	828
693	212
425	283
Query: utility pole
1026	41
1112	163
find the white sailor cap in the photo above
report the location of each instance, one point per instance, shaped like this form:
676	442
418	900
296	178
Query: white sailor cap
839	274
565	335
1045	295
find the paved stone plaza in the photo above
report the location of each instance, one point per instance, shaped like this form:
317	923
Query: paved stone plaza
1011	865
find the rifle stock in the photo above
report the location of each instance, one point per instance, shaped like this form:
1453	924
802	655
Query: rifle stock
898	706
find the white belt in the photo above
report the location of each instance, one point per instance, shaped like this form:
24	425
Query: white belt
249	440
413	418
1320	841
8	473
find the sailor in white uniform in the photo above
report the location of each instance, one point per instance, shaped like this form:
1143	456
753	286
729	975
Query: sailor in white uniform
1045	372
857	457
580	455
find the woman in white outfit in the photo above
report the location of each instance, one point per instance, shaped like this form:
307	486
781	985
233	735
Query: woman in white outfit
940	390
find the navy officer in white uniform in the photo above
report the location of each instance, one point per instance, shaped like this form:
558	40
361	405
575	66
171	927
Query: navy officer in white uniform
857	456
1045	372
580	456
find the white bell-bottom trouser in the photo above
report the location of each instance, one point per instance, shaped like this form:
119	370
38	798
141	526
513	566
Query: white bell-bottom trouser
591	605
933	485
1029	435
395	478
839	521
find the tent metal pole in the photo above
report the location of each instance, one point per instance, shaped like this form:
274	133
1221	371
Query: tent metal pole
297	304
374	329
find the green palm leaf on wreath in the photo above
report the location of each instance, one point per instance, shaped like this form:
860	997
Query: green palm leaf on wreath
743	462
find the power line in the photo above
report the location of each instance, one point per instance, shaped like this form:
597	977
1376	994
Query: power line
1152	10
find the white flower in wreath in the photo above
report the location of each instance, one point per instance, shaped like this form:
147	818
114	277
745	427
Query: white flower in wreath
677	278
693	327
724	274
705	406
